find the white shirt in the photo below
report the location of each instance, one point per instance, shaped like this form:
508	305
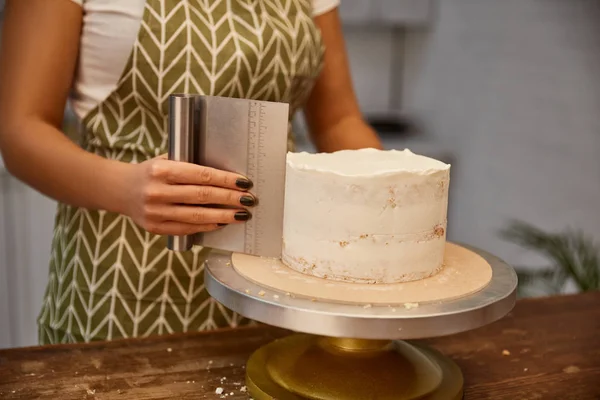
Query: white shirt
110	29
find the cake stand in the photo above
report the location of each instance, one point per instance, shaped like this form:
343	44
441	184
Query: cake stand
356	351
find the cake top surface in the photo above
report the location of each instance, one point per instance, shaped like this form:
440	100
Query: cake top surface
365	162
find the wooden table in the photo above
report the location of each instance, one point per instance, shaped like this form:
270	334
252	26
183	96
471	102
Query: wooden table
545	349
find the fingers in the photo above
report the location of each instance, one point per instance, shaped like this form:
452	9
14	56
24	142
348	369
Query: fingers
191	174
173	195
189	194
205	215
181	229
196	215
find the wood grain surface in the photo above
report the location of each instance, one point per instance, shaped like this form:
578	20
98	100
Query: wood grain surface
545	349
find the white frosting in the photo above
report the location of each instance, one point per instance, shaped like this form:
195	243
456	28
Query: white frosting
365	215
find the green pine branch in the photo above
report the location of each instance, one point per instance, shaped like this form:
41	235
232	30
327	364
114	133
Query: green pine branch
573	256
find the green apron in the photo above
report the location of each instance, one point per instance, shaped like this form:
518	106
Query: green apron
108	277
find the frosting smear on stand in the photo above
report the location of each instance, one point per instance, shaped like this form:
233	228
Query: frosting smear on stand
370	216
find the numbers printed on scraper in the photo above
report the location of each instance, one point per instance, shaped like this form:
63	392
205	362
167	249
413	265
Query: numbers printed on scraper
256	133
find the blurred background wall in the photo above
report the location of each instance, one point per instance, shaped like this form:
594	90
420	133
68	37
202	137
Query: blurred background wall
507	91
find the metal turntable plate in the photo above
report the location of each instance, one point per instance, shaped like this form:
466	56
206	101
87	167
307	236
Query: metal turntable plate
362	321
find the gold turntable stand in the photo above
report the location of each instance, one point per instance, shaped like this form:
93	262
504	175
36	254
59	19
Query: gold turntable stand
356	351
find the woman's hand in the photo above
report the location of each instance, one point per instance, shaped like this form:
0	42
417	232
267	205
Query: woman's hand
178	198
38	59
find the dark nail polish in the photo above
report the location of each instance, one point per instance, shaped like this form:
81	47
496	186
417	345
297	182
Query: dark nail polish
247	201
242	216
222	224
243	183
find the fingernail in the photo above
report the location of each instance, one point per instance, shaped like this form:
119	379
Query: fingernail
242	216
247	201
243	183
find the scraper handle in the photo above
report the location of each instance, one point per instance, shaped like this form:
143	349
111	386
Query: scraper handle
182	109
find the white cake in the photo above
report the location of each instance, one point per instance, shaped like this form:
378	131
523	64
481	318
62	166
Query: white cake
370	216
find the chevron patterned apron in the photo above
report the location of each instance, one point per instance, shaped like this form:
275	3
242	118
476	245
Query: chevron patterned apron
109	278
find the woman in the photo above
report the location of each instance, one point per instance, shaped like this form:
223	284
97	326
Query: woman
117	62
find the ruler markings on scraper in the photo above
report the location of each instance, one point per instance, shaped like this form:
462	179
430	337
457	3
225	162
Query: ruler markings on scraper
254	136
257	134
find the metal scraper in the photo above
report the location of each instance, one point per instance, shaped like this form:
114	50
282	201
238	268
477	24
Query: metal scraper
248	137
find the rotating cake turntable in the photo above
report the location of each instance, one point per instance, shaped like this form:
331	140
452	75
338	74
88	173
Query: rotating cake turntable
357	348
365	216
